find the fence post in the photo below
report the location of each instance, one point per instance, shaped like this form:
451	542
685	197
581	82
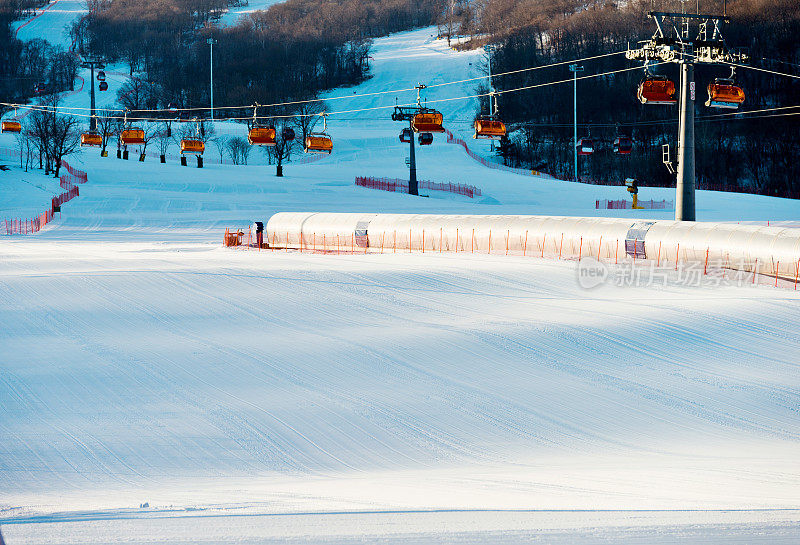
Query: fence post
544	239
489	251
677	255
755	271
423	241
705	267
658	261
777	266
525	248
561	246
580	251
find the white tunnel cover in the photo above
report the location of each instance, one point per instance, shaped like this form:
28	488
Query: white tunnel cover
768	250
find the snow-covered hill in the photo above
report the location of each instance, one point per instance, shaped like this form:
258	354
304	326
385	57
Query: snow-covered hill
154	385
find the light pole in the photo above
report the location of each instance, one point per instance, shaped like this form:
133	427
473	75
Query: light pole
211	42
574	68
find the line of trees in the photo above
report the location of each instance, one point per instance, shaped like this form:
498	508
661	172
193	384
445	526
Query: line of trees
24	65
753	155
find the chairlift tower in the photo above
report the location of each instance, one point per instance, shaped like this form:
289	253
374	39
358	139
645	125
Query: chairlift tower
92	64
407	113
686	39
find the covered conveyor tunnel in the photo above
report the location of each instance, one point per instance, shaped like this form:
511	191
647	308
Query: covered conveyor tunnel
766	250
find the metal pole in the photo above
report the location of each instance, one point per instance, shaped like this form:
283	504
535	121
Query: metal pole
413	188
211	42
575	120
574	68
684	186
92	118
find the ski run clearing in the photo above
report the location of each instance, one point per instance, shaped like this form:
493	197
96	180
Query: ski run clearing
156	387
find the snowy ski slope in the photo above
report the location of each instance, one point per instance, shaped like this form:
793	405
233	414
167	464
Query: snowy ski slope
284	396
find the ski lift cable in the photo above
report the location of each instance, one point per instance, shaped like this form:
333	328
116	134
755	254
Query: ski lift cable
774	72
355	110
355	95
742	114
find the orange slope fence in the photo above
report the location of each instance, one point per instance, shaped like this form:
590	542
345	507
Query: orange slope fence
616	252
28	226
623	204
401	186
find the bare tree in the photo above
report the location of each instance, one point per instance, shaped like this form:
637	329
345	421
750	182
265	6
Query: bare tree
138	94
221	143
151	131
106	126
66	138
282	150
307	117
41	124
239	150
164	137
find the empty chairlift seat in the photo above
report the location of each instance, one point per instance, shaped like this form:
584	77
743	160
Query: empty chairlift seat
91	139
11	126
132	137
722	93
657	90
261	136
487	127
192	146
318	143
428	121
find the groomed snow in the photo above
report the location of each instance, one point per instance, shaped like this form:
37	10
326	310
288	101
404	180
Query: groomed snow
263	397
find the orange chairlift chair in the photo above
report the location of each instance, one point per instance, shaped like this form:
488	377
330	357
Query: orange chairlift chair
428	120
131	136
656	90
91	139
723	93
319	142
259	133
490	126
12	125
193	146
